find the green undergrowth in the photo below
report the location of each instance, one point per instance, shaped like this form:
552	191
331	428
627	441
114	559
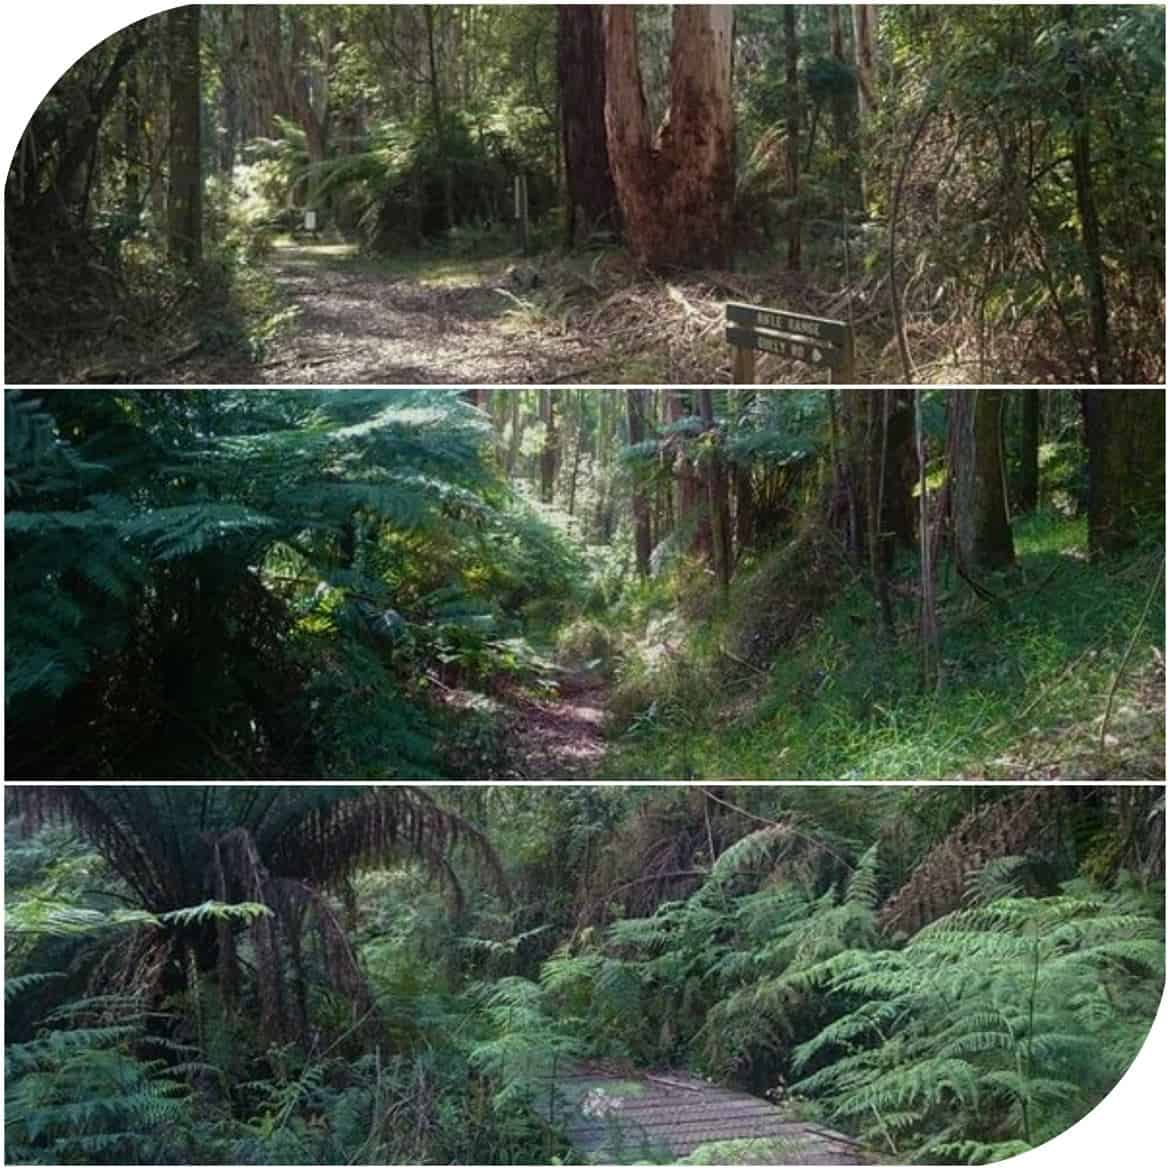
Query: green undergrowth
1027	675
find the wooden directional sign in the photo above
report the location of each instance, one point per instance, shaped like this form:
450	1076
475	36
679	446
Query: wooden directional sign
816	341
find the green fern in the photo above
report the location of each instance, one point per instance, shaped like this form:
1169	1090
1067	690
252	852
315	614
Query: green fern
1013	1019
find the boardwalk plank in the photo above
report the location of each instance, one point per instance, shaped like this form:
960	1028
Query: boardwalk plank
608	1115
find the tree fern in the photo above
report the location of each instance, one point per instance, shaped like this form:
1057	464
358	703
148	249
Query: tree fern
173	537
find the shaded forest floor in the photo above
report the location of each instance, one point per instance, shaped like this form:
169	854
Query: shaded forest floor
561	737
557	733
438	322
320	313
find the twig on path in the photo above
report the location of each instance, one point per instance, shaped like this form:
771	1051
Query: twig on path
122	374
295	359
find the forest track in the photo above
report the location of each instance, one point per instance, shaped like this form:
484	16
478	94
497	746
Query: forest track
363	323
561	737
450	320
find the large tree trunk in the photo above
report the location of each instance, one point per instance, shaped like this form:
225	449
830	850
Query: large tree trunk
185	189
262	35
677	188
307	91
792	133
591	198
983	534
636	407
1126	435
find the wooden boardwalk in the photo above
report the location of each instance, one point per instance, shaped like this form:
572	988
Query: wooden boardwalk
609	1117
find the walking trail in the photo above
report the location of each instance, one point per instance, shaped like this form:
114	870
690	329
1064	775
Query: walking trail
361	322
561	737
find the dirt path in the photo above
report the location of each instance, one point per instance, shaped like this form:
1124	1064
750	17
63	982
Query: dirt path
362	322
560	738
456	320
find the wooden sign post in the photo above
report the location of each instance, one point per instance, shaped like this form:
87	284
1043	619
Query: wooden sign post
817	341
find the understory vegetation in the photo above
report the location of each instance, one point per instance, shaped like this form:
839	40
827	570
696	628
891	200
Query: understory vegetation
206	584
555	584
255	975
1026	679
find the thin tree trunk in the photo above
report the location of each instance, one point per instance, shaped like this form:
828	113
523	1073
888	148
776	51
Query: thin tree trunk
185	190
549	455
1029	451
792	133
1082	161
435	86
716	494
577	452
517	435
132	200
844	119
635	402
931	647
864	26
52	206
895	210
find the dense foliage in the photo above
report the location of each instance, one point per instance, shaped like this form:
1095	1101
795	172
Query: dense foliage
241	584
950	975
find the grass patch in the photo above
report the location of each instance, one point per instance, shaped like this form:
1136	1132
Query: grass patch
1025	683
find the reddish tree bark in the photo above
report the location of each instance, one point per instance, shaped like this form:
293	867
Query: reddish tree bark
676	188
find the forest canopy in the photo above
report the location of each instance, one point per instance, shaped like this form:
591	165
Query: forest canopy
273	974
977	190
492	584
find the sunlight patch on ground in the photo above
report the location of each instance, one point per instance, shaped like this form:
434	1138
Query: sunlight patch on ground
310	252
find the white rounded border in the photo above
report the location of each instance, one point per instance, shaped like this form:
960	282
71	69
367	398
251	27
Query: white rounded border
41	41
